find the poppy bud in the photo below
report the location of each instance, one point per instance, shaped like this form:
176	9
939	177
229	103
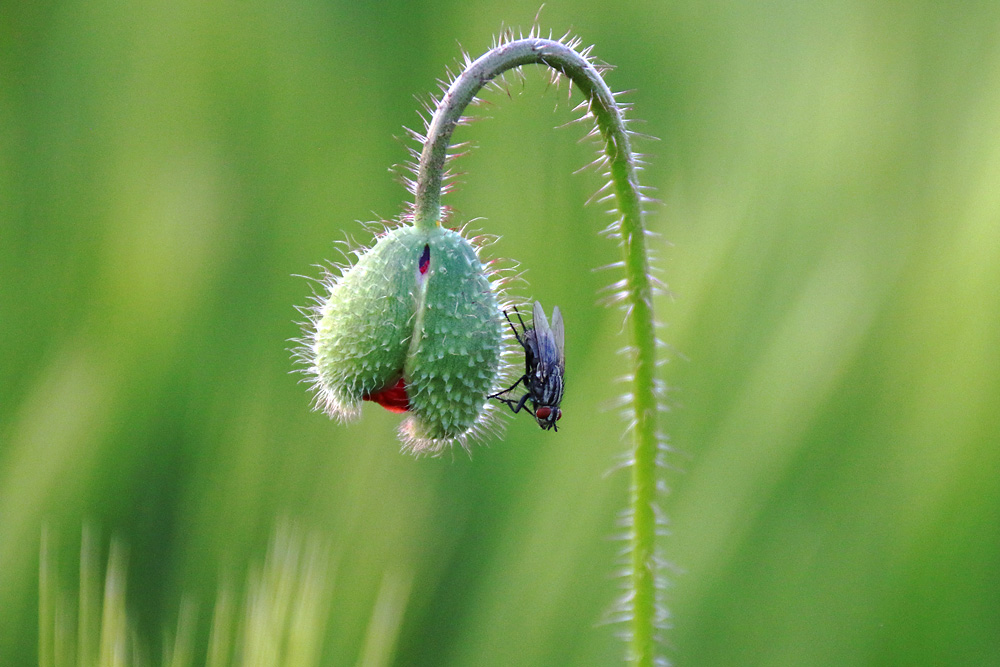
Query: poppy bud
415	326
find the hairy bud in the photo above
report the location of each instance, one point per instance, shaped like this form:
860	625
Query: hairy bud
414	326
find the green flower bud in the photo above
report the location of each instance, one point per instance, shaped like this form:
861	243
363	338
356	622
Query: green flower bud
415	326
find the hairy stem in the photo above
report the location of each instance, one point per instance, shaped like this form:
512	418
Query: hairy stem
621	163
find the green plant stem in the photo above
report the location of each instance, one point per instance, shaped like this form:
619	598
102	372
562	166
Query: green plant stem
638	297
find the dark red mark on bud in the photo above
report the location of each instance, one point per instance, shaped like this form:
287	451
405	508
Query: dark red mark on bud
393	399
543	412
425	260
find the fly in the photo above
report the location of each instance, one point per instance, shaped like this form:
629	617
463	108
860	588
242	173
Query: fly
544	365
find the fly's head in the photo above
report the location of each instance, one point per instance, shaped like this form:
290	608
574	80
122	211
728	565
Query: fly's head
547	417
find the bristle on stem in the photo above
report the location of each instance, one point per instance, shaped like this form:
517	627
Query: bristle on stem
640	607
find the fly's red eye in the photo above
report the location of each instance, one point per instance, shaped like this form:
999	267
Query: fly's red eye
558	415
543	413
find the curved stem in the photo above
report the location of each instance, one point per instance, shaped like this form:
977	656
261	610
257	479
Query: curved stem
638	297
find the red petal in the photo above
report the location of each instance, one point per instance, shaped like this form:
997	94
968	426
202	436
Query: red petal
393	399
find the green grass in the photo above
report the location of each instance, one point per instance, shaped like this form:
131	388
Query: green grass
280	618
829	176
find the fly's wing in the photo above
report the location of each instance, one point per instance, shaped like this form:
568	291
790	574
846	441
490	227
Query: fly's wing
548	349
543	336
538	319
560	337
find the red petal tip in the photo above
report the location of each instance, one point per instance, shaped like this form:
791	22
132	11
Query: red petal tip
393	399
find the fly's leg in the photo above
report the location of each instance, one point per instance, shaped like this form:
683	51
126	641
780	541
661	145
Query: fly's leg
513	328
509	402
529	363
508	390
516	407
522	404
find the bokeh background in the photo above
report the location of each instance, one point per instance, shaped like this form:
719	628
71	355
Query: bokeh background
830	173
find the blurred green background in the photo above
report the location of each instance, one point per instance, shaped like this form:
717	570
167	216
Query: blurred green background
831	181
